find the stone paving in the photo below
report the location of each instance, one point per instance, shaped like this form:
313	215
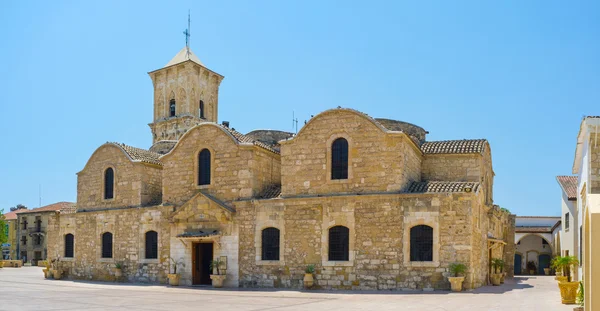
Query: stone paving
26	289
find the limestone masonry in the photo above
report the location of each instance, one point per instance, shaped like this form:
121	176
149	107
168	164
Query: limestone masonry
370	202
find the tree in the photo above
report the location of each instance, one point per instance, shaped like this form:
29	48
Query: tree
3	229
18	207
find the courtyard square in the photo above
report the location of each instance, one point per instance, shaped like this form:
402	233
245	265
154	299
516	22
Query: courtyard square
26	289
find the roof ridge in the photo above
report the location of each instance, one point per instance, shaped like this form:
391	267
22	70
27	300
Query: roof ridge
139	154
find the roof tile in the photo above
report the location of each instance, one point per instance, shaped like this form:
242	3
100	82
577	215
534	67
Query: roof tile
139	154
50	208
464	146
568	185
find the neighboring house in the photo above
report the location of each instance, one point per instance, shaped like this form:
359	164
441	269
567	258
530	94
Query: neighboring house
32	232
587	168
571	220
9	250
370	202
537	239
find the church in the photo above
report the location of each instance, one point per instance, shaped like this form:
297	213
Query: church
370	202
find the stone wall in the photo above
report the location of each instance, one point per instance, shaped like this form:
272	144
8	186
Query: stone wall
135	184
379	240
128	227
452	167
237	171
378	161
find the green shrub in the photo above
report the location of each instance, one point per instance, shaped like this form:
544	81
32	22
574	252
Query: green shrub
457	268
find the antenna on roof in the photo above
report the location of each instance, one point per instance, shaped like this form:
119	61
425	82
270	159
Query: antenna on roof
294	122
187	34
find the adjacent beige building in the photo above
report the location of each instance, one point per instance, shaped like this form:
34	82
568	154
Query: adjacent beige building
370	202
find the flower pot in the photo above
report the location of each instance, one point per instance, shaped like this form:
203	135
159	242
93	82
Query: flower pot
557	273
578	309
217	280
1	264
562	279
568	292
47	273
118	272
456	283
547	271
531	272
502	276
174	279
496	279
57	274
309	281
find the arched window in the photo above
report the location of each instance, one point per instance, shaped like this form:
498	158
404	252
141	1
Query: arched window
69	240
421	243
151	245
201	110
172	108
339	159
270	244
109	183
204	167
107	243
339	241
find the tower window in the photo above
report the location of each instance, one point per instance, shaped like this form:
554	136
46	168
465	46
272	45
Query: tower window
339	159
270	244
339	241
204	167
172	108
421	243
107	242
69	239
201	110
109	183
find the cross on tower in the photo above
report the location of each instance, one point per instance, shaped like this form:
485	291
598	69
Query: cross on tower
187	34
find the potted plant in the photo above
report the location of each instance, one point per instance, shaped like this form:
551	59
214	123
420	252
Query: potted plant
309	280
531	267
547	271
580	298
175	277
118	270
568	289
560	274
56	272
458	271
217	279
496	275
47	270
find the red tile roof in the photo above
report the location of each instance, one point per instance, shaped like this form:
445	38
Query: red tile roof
13	215
50	208
568	185
464	146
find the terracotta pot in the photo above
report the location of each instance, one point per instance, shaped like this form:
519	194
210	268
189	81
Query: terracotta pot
118	272
547	271
562	279
502	276
309	280
496	279
57	274
456	283
174	279
217	280
568	292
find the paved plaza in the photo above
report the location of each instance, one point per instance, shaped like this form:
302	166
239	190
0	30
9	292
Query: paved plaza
26	289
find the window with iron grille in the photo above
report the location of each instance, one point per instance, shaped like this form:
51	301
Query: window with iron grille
421	243
24	223
38	224
270	244
69	247
24	240
107	245
172	108
201	109
339	159
204	167
37	240
151	245
109	183
339	241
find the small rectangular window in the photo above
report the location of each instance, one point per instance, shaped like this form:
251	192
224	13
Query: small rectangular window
567	221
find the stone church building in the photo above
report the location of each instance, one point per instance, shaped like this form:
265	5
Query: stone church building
370	202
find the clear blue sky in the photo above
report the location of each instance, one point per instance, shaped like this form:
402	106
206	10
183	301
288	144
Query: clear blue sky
519	73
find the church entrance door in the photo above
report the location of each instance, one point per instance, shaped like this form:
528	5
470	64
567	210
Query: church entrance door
201	258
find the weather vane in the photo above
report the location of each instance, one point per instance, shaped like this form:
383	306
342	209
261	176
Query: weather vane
187	34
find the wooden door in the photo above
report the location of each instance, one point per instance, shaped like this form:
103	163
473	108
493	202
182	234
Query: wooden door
202	255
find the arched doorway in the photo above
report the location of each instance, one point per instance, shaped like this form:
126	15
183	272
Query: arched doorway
543	262
518	263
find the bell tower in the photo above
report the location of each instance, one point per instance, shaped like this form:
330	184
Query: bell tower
186	93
